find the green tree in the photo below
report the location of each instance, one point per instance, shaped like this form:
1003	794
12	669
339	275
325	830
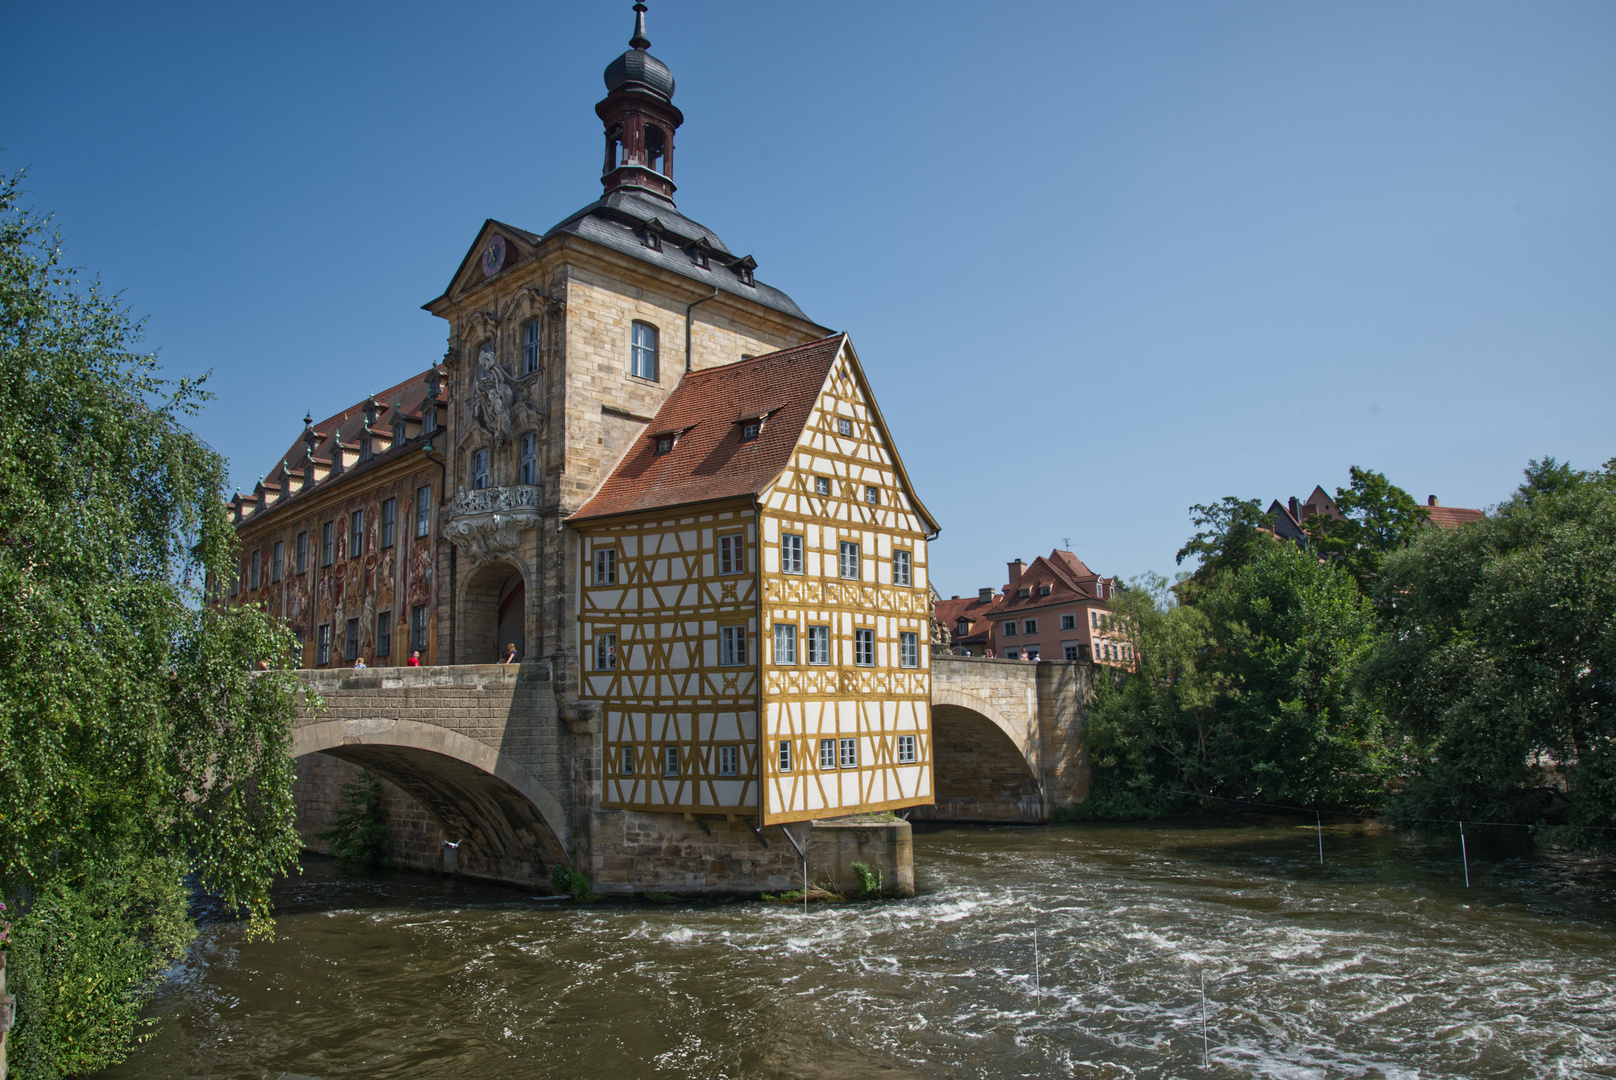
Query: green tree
1499	660
1247	692
358	830
1380	518
137	746
1291	724
1229	534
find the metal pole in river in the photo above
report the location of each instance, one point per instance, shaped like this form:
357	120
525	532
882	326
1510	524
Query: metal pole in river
1463	854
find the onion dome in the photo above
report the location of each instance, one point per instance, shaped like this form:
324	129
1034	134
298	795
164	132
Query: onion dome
638	69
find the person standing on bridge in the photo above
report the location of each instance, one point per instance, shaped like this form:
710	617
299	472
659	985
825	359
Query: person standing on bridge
415	659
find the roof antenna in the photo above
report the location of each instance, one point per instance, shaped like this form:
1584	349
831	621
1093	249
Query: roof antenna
639	40
1067	540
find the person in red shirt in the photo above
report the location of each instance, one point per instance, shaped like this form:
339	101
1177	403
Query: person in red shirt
415	658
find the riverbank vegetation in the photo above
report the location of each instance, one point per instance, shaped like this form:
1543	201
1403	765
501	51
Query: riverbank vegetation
1389	667
140	754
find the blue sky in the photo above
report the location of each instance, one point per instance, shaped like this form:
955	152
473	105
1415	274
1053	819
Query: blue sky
1102	261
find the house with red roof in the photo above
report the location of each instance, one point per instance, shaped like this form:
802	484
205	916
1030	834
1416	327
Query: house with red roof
753	610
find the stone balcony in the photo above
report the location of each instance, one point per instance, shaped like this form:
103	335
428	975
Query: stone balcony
486	524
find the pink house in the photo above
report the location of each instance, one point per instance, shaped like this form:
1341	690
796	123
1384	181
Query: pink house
1055	609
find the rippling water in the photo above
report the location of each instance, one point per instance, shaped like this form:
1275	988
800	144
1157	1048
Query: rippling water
1377	964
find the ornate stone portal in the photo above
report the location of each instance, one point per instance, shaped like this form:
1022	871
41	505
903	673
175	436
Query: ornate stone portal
486	525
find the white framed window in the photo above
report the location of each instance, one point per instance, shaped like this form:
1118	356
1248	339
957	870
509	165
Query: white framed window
872	494
530	346
479	469
962	628
527	466
277	557
864	646
1009	626
821	485
907	748
844	426
850	560
1072	651
423	511
819	645
785	643
389	521
790	553
605	652
1094	619
1068	622
732	553
849	753
901	572
664	444
643	352
1012	654
1030	626
827	753
908	649
670	761
729	760
749	431
322	648
785	755
605	566
625	760
731	645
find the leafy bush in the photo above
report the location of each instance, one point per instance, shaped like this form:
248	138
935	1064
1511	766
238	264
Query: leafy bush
869	879
567	881
85	959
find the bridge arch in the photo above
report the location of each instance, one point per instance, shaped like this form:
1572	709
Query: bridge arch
508	823
983	761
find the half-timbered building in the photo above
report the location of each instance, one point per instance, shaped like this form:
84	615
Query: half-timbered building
754	612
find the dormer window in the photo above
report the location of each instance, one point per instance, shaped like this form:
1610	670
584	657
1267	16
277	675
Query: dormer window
1024	593
429	420
743	268
664	444
651	237
699	257
398	430
1044	590
962	628
749	431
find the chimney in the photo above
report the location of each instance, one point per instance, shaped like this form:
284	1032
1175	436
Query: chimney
954	597
1430	500
1296	511
1016	569
984	596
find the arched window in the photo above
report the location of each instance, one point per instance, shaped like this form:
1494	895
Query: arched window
643	358
530	346
656	149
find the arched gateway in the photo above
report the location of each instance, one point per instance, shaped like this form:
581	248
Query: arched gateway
468	745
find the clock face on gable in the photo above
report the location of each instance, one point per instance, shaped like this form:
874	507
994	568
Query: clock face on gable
494	255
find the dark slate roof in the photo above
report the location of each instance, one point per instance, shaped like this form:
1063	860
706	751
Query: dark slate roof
709	461
618	221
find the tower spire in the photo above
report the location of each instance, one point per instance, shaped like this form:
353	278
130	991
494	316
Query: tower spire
639	40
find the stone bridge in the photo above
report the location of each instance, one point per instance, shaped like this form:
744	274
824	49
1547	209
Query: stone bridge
1007	738
482	757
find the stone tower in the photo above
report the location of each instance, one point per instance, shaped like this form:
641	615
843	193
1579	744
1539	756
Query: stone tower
562	345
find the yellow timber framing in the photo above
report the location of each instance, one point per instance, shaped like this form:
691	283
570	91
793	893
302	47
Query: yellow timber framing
667	609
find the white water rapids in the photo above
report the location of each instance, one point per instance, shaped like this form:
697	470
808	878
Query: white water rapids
1377	964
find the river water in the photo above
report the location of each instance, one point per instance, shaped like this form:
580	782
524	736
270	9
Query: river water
1379	963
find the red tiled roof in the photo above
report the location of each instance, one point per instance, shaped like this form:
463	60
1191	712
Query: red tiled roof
950	612
709	461
349	422
1069	581
1451	517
